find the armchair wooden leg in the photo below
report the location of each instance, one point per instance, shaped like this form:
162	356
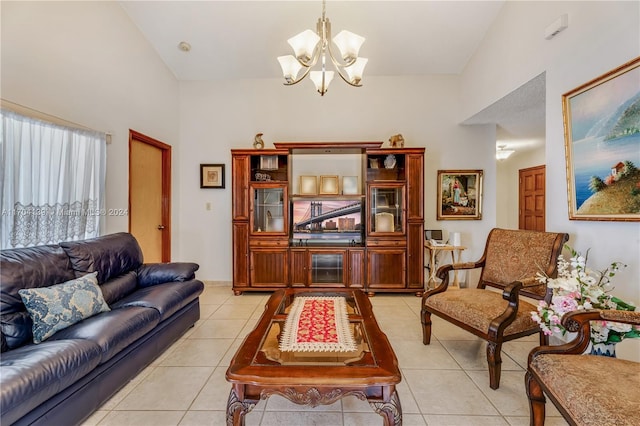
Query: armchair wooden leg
426	326
544	339
536	400
494	359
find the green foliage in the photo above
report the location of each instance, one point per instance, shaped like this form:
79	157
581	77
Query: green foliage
629	168
596	184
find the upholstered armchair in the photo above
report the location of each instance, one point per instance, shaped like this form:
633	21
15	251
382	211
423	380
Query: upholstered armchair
586	389
510	262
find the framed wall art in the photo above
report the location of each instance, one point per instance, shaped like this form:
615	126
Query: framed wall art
329	185
308	185
459	194
350	185
602	146
212	176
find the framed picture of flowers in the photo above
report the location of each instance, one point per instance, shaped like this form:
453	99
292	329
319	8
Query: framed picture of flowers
602	146
459	194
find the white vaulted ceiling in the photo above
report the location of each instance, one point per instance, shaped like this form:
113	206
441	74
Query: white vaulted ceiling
241	39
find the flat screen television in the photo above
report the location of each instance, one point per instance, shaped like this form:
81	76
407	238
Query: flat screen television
326	221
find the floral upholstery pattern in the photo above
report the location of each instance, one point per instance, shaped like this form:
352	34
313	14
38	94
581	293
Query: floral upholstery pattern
617	382
515	256
511	261
478	307
62	305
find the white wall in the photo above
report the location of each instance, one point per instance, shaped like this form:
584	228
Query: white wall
600	37
87	63
218	116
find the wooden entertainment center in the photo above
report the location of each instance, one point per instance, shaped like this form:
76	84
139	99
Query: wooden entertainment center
378	249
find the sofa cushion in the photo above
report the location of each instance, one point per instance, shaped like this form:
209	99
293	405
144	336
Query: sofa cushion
166	298
57	307
114	330
157	273
32	374
30	267
110	255
119	287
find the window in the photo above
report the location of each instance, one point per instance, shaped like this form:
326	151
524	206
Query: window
52	182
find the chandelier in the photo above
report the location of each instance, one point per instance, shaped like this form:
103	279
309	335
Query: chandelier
309	47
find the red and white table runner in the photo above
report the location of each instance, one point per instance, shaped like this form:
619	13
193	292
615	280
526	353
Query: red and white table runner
318	324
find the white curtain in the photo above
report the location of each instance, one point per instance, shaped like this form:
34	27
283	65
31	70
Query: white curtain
51	183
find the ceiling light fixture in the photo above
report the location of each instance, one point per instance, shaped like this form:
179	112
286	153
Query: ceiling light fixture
308	47
502	153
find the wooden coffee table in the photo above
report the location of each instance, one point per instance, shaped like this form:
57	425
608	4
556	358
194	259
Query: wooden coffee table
259	369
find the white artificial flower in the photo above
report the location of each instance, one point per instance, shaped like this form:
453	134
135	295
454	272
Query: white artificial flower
565	284
577	261
594	292
619	327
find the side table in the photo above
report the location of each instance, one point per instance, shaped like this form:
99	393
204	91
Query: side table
433	253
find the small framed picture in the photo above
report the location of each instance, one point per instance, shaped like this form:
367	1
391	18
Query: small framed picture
212	176
459	194
329	185
350	185
308	185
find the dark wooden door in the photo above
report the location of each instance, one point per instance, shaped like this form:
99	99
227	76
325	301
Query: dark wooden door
386	268
240	254
415	256
299	267
269	267
355	276
532	199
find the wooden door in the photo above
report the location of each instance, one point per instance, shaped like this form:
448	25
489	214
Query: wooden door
386	268
240	254
150	196
415	190
269	267
240	169
531	212
299	273
415	256
355	276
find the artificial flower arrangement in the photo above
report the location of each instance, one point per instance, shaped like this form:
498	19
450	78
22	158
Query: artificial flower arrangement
578	287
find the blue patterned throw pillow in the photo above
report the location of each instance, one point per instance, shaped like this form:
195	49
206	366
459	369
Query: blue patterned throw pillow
57	307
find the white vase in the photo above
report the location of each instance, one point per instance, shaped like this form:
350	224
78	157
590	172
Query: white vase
602	349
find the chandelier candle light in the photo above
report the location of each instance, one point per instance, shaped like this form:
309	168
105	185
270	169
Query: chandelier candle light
309	47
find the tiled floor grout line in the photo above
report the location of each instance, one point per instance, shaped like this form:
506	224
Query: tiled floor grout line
248	311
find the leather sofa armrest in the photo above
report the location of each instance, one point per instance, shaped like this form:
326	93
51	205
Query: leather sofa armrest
157	273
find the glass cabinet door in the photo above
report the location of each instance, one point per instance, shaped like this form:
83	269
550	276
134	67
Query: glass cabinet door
386	209
268	208
327	268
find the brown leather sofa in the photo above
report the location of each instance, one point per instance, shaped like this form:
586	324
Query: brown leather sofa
64	379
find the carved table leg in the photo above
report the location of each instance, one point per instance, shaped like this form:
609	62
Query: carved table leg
391	410
236	409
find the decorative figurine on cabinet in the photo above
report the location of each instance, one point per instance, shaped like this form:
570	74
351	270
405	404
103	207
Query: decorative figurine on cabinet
258	142
396	141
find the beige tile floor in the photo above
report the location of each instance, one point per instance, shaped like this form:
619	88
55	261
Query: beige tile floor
445	383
